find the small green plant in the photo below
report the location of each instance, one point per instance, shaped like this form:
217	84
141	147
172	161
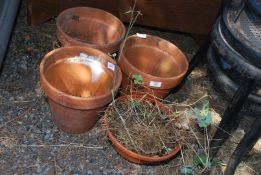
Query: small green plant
203	115
175	114
202	161
187	170
113	55
135	104
137	79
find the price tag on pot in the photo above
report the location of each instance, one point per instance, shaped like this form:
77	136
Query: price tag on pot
155	84
111	66
141	35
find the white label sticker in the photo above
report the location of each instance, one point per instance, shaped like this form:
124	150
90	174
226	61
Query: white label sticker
141	35
111	66
155	84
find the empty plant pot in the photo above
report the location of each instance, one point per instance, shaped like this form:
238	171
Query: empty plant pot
152	129
160	63
78	82
85	26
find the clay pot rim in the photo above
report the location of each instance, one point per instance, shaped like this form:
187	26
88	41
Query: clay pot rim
68	97
152	76
59	27
139	157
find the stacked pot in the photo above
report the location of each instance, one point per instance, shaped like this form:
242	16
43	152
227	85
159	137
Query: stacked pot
236	50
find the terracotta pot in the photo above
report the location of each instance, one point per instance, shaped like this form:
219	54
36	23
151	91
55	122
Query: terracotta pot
85	26
130	155
160	63
78	82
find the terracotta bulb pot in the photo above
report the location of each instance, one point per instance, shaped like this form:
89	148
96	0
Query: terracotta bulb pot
85	26
78	82
160	63
130	155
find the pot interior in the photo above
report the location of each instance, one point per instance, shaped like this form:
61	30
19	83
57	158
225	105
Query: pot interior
152	61
86	79
87	28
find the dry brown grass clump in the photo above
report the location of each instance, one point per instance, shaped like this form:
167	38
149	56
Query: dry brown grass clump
149	129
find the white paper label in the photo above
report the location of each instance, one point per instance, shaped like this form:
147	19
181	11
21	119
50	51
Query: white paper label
155	84
111	66
141	35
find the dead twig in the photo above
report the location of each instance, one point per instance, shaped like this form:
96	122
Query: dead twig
62	145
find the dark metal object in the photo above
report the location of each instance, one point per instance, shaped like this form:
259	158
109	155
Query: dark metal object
236	60
245	145
241	28
8	10
230	118
236	38
254	5
237	6
227	85
251	75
